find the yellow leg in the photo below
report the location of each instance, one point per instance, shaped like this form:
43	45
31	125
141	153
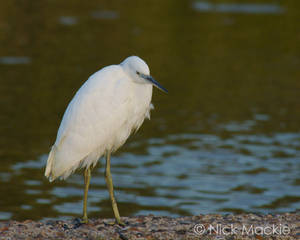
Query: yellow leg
87	177
110	187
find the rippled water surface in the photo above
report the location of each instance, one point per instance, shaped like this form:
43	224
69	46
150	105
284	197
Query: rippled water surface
226	139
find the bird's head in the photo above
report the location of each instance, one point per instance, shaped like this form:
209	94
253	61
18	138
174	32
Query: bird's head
139	71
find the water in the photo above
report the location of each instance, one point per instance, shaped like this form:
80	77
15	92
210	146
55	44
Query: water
248	8
225	139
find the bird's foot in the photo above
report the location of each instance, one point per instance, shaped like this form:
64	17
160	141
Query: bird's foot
84	220
117	221
120	222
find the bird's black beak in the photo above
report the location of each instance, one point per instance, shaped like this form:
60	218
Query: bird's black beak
154	82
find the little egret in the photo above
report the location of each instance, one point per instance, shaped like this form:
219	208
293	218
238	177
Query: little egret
107	108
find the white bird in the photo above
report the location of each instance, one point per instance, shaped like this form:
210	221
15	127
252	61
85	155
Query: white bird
107	108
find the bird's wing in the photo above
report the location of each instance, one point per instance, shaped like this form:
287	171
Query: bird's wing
97	110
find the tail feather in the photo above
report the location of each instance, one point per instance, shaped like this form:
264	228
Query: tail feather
49	168
56	168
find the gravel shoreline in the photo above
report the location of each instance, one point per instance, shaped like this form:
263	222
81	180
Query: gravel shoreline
211	226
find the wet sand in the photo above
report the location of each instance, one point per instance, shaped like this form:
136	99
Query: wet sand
212	226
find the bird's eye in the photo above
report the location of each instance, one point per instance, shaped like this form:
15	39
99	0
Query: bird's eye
138	73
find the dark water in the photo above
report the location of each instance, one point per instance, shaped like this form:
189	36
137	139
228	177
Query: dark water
225	139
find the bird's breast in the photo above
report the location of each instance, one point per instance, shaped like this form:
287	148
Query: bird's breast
136	109
142	101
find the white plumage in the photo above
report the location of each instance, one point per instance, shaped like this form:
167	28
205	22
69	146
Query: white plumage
100	117
111	104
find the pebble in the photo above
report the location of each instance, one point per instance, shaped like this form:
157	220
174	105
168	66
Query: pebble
154	227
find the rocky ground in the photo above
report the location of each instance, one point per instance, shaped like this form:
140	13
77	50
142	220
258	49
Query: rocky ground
212	226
